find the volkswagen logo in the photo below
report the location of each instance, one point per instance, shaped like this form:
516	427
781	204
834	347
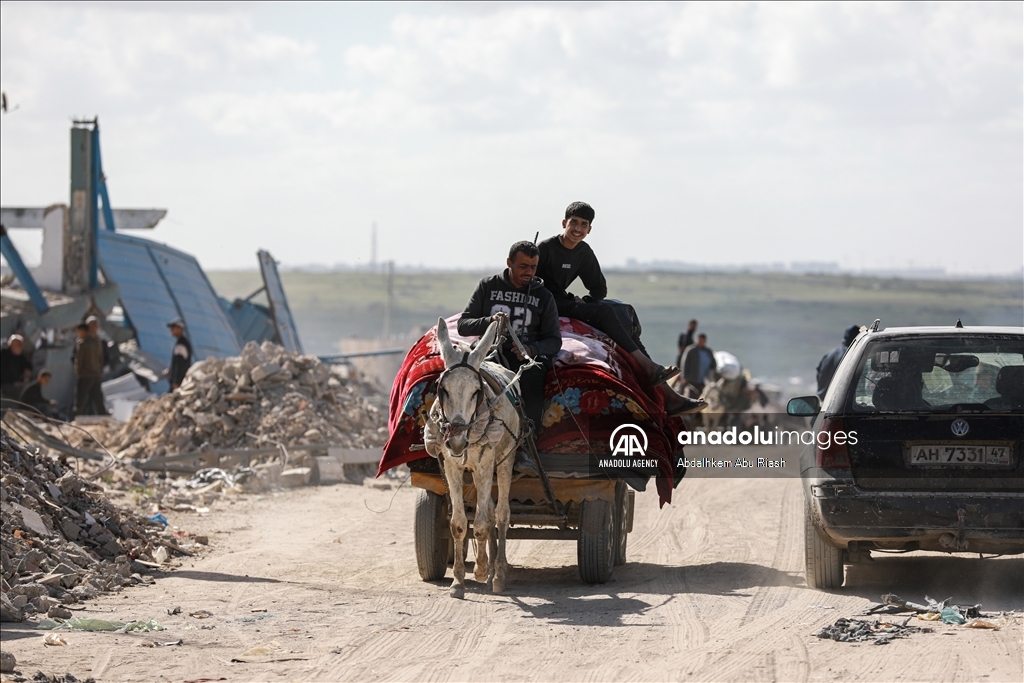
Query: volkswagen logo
959	427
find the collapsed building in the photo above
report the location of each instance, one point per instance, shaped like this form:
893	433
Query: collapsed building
134	285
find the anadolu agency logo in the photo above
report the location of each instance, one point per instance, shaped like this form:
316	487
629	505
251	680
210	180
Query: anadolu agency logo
628	449
628	440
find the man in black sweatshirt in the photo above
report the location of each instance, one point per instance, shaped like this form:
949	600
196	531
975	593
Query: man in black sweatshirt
565	257
519	298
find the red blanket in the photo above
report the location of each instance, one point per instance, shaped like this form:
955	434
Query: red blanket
592	388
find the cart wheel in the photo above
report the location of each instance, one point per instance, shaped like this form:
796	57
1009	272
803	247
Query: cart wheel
595	549
431	540
621	522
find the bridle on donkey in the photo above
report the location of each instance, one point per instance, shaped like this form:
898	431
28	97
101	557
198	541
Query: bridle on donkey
450	429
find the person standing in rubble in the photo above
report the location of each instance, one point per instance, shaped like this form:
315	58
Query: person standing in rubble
32	395
88	373
94	329
830	361
15	368
181	354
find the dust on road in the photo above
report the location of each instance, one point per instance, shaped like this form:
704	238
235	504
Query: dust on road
713	591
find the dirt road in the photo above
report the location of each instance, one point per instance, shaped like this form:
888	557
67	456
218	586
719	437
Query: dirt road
713	591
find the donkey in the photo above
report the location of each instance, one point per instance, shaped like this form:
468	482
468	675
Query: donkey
474	426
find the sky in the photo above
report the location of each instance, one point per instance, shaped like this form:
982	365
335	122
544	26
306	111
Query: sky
871	135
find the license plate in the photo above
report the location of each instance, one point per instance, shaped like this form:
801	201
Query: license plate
959	455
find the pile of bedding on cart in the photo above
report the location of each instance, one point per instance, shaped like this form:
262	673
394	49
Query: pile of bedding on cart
593	388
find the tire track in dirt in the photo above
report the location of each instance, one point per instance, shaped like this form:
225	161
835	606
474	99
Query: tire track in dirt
753	635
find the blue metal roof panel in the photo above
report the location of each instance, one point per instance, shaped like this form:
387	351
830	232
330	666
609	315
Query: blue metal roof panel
286	328
254	323
159	283
209	329
144	296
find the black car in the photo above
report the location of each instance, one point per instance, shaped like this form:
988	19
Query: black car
918	447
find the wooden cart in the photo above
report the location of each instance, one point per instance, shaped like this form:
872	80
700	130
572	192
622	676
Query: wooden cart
596	513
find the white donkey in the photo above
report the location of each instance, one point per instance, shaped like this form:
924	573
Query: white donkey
472	426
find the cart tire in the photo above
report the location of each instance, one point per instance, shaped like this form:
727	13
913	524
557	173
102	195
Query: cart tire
621	522
824	562
595	549
431	541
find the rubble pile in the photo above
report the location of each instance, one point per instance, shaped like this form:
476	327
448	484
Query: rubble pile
62	541
265	396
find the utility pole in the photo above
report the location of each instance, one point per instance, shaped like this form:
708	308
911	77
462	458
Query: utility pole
373	246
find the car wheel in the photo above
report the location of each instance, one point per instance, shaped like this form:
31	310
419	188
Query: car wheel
824	562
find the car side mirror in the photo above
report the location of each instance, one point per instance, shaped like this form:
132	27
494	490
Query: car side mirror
803	406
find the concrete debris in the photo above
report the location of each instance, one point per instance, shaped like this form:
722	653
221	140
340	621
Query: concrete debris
295	477
40	677
61	540
265	397
7	662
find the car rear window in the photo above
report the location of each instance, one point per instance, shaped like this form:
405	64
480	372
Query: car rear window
936	374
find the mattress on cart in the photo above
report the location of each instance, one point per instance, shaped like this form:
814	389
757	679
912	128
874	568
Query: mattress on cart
593	388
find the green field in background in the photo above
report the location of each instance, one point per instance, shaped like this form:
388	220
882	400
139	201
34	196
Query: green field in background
778	324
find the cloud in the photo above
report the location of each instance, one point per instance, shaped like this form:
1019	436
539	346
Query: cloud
765	124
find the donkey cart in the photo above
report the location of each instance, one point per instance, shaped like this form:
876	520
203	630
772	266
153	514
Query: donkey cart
596	513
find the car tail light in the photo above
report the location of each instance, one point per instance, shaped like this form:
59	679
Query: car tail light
830	449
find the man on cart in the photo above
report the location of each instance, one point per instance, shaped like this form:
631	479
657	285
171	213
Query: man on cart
565	257
519	299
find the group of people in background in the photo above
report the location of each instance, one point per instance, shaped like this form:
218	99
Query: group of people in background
696	360
91	358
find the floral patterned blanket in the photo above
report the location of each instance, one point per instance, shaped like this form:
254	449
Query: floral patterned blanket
592	389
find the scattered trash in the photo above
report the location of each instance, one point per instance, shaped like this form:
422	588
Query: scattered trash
336	651
209	475
258	610
259	650
169	644
87	624
201	614
950	615
270	652
858	631
174	610
894	604
249	620
981	623
159	518
160	555
54	639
